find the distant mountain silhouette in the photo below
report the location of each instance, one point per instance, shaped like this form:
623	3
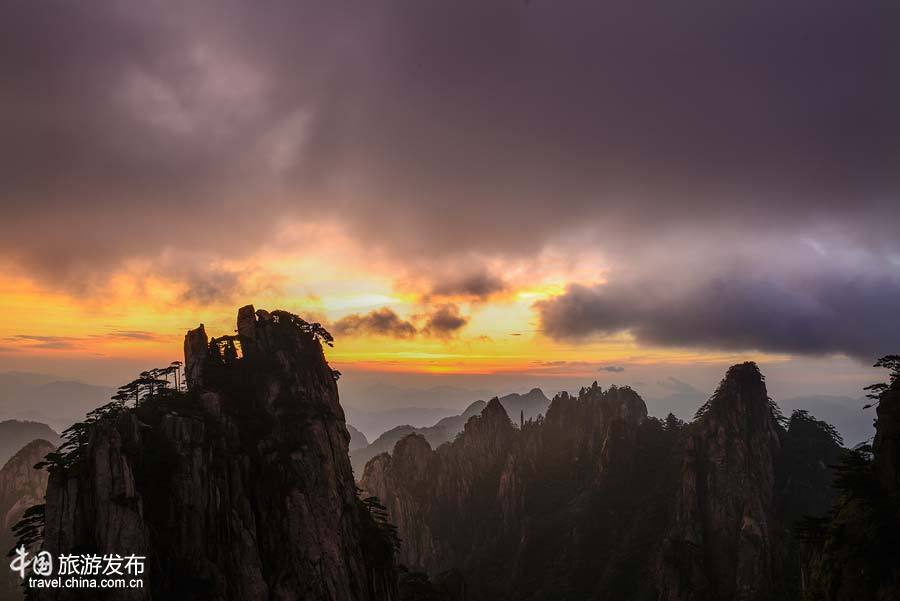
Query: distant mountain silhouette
374	423
49	399
16	434
845	413
358	440
529	405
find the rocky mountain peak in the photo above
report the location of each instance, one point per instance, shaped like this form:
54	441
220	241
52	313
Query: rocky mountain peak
20	484
742	391
412	456
721	541
238	488
599	500
494	411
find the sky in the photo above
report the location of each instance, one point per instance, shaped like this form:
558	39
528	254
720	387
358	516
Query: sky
488	196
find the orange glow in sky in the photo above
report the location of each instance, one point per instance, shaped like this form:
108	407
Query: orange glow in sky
142	318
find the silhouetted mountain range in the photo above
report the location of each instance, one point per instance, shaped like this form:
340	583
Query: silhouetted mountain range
599	500
48	399
528	405
358	440
374	423
241	487
15	434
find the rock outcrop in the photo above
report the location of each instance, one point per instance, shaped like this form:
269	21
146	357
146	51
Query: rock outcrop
426	490
518	406
238	489
513	508
21	486
600	501
723	542
853	553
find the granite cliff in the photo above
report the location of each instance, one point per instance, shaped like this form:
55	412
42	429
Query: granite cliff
520	406
519	510
598	500
723	542
21	486
237	488
852	554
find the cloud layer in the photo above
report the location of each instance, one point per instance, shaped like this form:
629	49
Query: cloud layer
380	322
473	133
488	128
819	310
441	321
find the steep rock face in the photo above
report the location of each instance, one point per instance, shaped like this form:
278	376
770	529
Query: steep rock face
517	406
853	554
580	498
422	489
445	430
516	509
722	543
400	482
21	486
239	489
886	446
600	501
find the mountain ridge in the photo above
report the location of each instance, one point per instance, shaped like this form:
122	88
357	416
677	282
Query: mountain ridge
529	405
520	510
239	488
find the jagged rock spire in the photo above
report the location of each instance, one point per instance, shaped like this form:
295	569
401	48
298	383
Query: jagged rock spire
721	541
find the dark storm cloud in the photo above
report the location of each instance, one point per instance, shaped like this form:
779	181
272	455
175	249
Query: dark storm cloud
440	321
815	312
477	284
381	322
487	129
129	128
444	321
216	285
211	286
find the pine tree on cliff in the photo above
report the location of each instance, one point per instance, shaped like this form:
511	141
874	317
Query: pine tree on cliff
853	553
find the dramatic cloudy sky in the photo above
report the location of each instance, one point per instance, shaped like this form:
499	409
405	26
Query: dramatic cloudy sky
527	189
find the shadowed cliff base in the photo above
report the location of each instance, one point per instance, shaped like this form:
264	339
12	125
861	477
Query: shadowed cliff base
852	552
